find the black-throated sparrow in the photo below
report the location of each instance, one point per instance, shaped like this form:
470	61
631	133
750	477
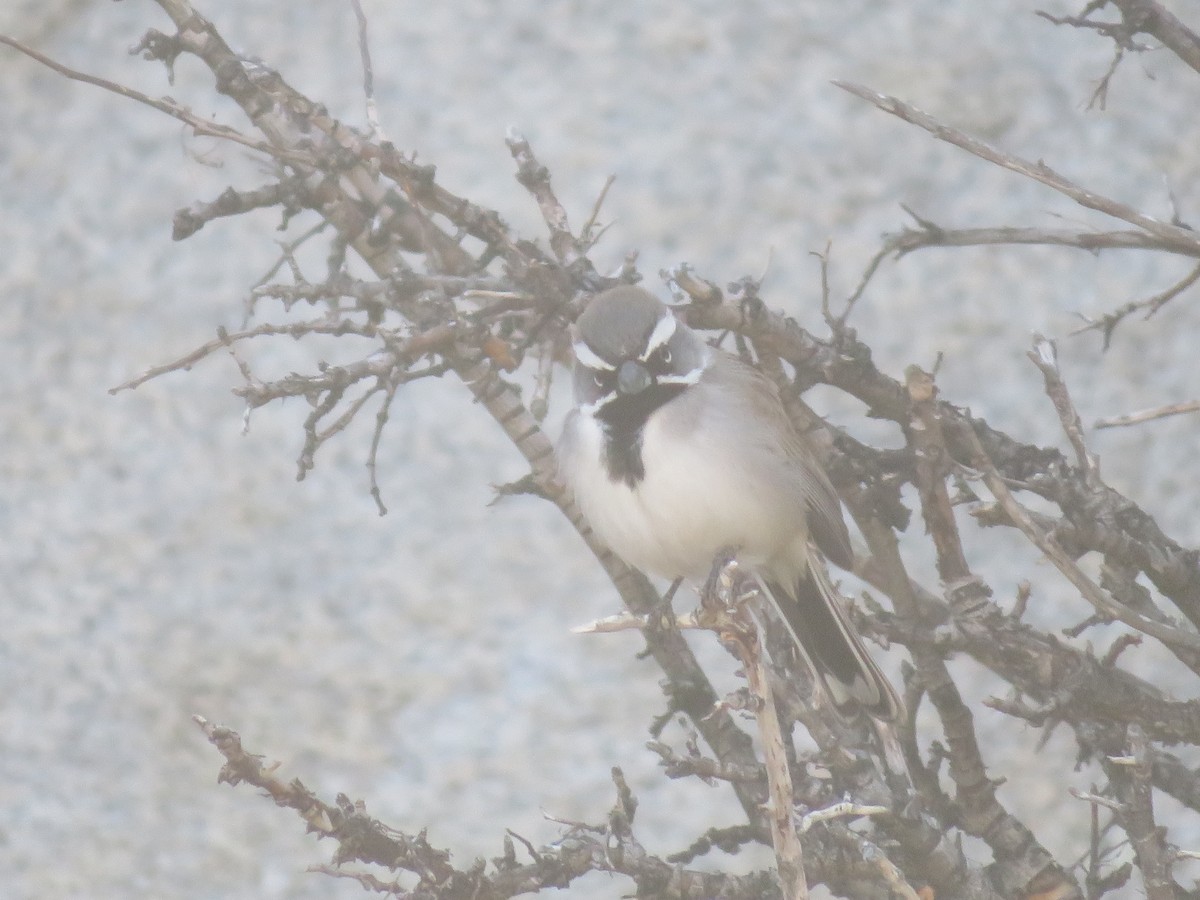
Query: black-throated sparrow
676	450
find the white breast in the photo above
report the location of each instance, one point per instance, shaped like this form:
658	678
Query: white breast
699	495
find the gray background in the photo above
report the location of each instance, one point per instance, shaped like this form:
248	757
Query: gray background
157	563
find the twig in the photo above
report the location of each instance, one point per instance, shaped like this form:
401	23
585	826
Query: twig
198	124
1140	17
730	840
368	881
977	809
1091	241
287	252
381	417
838	811
1099	96
224	339
967	592
233	203
1109	321
930	234
683	280
586	237
969	597
837	324
535	178
435	339
1175	237
584	848
1119	646
1146	415
892	876
368	74
1097	883
622	621
1131	779
725	587
722	610
1044	355
1094	799
1093	593
242	766
703	767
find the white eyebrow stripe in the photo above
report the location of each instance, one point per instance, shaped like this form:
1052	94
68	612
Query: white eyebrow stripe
663	331
588	357
687	378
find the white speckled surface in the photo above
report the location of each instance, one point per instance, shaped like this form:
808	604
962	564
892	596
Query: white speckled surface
156	563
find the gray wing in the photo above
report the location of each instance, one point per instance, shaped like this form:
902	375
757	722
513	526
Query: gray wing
826	526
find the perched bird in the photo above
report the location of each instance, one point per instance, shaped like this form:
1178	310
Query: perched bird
676	451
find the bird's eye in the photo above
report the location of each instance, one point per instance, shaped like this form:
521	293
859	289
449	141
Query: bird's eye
660	360
604	380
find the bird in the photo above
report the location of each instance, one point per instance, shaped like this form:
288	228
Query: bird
676	451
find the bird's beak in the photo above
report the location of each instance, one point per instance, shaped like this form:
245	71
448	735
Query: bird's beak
632	378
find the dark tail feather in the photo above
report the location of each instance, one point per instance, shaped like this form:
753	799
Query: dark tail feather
813	614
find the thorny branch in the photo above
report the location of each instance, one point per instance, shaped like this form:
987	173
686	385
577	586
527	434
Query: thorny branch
454	291
1138	17
1147	415
724	597
1108	323
1178	238
610	847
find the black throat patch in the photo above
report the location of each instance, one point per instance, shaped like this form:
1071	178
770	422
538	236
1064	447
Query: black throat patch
623	419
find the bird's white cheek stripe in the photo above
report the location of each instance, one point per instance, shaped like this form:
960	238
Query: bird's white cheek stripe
689	377
686	378
663	331
589	358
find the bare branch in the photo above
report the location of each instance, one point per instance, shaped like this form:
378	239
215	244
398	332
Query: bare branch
930	234
1174	236
728	839
839	811
381	417
198	124
1175	637
677	766
1152	304
725	591
535	178
589	236
966	592
1131	779
1044	355
267	329
233	203
364	49
1139	17
610	848
1146	415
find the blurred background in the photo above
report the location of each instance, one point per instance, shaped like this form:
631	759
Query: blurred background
157	562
